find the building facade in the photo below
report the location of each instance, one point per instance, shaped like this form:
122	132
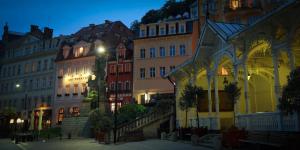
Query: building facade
258	58
158	50
27	72
77	65
124	80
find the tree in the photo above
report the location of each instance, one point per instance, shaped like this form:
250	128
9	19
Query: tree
163	103
130	112
199	94
233	93
170	8
135	27
92	97
189	98
100	121
290	101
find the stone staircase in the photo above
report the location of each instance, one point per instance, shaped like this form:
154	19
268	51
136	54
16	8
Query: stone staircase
77	126
208	140
148	124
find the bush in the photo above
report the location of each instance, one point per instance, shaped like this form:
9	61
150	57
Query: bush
130	112
100	121
50	132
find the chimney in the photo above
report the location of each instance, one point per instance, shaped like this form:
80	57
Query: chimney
5	32
108	22
48	33
34	28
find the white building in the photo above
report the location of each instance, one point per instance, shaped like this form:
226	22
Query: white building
27	72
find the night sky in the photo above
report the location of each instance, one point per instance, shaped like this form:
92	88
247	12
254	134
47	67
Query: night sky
68	16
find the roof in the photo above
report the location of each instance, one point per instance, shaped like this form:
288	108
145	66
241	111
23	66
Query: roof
226	30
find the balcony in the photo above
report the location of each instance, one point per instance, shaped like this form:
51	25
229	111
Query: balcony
75	94
67	94
58	95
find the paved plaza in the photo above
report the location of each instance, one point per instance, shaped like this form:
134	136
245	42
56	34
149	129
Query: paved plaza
90	144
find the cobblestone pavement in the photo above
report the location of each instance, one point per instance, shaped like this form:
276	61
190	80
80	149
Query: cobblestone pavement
7	144
90	144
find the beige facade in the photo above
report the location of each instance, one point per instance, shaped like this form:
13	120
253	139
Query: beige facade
160	48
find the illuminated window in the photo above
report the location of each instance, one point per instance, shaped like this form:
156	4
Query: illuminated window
112	106
235	4
224	72
67	89
75	111
75	89
80	50
60	115
112	69
69	70
83	87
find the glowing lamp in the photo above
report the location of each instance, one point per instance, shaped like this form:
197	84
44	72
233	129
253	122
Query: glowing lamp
11	121
19	120
101	50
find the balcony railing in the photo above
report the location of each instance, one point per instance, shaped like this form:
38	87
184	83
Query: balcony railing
268	121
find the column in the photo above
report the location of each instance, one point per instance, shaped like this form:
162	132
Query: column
217	99
247	103
209	99
276	78
291	57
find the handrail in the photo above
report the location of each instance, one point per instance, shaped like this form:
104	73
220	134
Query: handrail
142	121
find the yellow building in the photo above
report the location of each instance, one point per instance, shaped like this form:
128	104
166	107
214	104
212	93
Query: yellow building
258	57
158	50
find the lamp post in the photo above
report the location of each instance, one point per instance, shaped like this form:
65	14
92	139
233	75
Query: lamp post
13	128
100	75
18	86
102	51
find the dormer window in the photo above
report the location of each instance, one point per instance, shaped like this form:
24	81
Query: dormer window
172	30
152	31
182	28
142	34
66	51
162	31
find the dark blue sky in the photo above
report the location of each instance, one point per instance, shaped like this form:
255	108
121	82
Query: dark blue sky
68	16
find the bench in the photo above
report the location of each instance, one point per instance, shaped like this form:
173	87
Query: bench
262	140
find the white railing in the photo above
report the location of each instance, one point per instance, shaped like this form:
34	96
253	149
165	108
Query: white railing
268	121
209	122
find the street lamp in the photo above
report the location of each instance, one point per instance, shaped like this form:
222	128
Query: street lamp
101	50
18	86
